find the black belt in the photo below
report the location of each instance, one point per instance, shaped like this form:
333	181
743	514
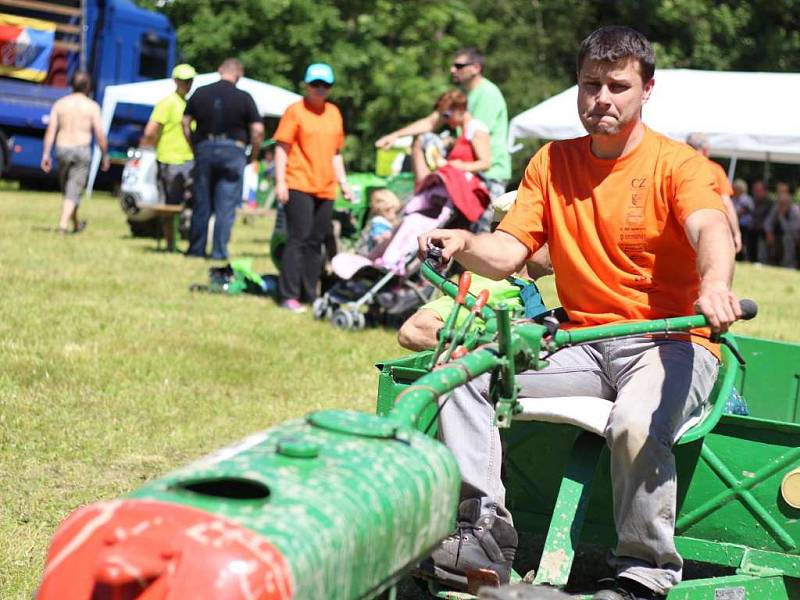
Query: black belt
223	137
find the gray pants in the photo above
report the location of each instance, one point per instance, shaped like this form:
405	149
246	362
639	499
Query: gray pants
73	170
656	385
174	181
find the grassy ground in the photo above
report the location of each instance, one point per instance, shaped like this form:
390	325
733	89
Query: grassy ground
112	372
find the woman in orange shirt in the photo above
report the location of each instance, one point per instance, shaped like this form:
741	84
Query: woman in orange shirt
308	166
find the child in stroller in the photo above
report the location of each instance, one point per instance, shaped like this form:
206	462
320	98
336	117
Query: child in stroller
384	210
382	286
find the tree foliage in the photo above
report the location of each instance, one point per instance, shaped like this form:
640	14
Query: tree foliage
392	57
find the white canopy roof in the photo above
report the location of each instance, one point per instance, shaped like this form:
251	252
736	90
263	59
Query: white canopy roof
751	116
270	100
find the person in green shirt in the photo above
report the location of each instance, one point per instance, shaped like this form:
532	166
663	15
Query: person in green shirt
485	102
420	331
164	132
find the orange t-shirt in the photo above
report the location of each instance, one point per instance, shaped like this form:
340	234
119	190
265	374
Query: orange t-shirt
315	138
615	227
722	185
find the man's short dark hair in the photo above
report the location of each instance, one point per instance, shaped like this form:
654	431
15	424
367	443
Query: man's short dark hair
81	82
473	55
615	43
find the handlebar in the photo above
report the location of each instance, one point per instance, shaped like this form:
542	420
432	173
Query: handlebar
566	337
749	309
511	346
563	337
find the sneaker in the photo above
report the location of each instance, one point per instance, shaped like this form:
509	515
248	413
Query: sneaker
293	304
623	588
481	542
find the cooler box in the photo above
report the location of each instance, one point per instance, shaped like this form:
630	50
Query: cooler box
390	162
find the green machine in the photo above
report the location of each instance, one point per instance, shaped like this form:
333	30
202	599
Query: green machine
738	521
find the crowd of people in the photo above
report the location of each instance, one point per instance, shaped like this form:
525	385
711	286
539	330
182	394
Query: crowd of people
770	224
200	147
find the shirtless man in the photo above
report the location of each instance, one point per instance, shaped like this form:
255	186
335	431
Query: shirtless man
73	119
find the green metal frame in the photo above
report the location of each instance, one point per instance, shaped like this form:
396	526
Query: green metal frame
730	511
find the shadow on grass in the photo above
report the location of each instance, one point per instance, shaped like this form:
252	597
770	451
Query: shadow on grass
157	250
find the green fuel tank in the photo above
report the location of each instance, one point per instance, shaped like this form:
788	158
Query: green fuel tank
349	500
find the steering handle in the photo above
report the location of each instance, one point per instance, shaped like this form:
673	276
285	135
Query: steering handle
749	309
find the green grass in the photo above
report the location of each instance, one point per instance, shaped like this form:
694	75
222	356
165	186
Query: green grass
112	372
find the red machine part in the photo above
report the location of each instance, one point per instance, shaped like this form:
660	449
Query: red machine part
134	550
480	302
463	287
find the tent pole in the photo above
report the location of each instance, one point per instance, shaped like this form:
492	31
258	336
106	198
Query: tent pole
732	167
766	170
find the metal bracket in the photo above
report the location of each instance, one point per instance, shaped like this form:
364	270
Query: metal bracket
507	396
747	567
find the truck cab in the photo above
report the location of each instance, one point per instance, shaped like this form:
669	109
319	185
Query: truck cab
41	46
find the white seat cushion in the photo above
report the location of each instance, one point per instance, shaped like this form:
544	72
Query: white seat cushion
587	412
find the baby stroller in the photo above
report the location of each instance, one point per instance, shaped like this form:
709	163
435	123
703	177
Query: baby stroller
384	287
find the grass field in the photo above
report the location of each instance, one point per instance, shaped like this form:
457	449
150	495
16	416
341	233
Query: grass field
112	372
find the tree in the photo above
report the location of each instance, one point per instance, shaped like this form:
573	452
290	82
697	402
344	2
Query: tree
392	58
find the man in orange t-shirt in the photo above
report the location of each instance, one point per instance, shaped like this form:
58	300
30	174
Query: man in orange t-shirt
699	141
636	231
308	167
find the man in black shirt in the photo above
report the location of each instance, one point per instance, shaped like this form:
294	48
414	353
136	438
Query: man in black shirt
226	120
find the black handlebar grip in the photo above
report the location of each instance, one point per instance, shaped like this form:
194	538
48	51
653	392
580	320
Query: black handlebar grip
749	309
433	254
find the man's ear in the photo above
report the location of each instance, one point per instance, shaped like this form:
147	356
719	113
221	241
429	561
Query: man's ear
648	89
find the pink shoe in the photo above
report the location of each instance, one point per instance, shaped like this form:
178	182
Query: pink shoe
293	304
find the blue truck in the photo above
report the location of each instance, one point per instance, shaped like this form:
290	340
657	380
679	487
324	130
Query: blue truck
43	43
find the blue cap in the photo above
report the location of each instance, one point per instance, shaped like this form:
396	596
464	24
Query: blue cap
319	72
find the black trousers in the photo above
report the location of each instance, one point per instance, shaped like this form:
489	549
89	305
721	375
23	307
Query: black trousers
308	220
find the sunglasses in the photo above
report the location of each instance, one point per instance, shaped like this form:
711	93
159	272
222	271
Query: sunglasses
320	84
447	114
460	66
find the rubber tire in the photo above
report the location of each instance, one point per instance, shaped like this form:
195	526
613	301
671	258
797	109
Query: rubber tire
342	319
321	308
3	153
359	320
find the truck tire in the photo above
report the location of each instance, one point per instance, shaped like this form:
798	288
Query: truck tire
3	153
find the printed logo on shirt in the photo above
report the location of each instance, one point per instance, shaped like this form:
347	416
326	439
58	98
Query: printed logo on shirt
633	233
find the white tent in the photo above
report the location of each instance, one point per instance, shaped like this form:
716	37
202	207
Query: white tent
752	116
270	100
